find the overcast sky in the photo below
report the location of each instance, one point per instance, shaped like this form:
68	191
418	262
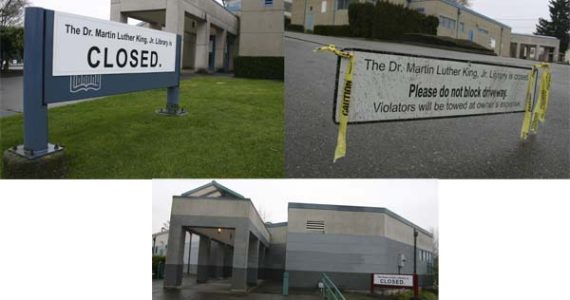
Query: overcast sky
521	15
415	200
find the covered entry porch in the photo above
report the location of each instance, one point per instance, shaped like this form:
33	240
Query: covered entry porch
208	31
233	241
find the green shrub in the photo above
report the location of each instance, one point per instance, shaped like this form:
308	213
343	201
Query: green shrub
446	42
261	67
424	295
360	18
295	27
155	261
388	21
333	30
429	24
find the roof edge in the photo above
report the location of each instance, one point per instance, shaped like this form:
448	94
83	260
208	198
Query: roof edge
272	225
215	184
369	209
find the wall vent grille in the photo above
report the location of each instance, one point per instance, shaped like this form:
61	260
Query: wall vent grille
316	226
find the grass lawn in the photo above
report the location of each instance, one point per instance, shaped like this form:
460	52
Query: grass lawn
234	128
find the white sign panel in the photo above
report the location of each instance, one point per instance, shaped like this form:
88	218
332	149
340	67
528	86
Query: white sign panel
394	280
86	46
394	87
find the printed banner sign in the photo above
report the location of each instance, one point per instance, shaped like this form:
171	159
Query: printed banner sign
88	46
388	86
393	280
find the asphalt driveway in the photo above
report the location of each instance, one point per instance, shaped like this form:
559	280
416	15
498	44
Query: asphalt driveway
467	147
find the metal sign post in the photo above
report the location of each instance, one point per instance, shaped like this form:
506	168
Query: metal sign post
69	57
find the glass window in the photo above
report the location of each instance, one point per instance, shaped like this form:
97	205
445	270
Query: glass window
342	4
324	7
462	26
452	24
421	10
268	3
447	22
442	22
233	6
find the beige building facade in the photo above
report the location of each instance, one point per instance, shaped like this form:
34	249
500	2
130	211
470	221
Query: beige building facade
459	22
456	21
261	28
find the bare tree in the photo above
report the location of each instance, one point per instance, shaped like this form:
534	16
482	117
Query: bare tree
435	261
165	226
12	12
263	213
464	2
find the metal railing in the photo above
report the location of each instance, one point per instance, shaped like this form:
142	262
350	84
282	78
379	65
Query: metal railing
329	289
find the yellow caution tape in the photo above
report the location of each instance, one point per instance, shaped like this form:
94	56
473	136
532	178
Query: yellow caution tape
533	116
542	104
340	150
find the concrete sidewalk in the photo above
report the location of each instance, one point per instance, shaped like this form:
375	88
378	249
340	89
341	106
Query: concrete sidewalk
220	289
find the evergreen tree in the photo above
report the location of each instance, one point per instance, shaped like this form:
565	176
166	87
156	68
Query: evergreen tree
559	26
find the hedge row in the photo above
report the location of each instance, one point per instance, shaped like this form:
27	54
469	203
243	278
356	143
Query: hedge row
156	271
294	27
388	21
261	67
446	42
334	30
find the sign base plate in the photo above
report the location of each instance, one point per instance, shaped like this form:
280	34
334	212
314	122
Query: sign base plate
172	110
17	165
51	149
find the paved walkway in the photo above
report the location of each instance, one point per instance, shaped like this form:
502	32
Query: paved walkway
220	289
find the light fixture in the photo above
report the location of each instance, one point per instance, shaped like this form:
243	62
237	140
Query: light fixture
219	230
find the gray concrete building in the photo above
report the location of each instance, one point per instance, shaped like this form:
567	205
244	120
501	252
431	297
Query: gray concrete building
346	242
349	243
535	47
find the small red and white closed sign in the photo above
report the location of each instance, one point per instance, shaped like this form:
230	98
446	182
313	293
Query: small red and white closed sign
393	280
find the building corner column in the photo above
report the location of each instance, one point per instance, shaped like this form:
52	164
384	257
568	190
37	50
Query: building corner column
240	259
252	261
203	269
173	270
116	13
202	45
174	23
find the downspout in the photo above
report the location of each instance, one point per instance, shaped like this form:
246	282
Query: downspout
501	42
334	12
305	16
457	23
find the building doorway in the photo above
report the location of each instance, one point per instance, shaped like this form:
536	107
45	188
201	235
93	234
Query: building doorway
212	53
